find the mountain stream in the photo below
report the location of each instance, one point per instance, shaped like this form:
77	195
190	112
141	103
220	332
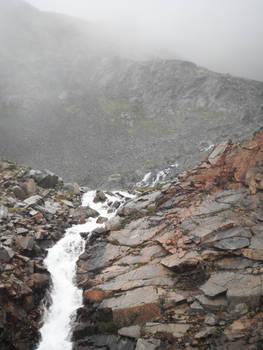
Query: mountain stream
61	263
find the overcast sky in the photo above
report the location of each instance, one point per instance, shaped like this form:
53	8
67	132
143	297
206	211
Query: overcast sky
223	35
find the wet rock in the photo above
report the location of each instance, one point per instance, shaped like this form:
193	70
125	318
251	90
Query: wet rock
100	197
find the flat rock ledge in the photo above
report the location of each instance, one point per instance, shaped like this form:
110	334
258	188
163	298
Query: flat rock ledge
182	265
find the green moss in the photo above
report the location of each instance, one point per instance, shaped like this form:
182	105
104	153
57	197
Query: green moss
115	242
109	327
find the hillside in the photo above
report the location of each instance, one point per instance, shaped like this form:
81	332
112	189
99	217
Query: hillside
69	104
179	267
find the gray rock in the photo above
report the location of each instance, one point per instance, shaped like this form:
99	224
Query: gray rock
172	261
21	230
51	208
212	208
211	320
133	298
130	332
134	234
205	332
3	212
149	344
33	200
45	179
213	304
72	187
232	243
6	254
153	275
217	284
196	306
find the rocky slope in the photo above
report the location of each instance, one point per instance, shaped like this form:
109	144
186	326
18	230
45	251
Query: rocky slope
65	95
35	209
181	267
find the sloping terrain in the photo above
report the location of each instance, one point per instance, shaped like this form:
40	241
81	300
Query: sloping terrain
181	267
69	104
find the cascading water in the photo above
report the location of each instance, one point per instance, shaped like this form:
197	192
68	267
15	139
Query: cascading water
61	263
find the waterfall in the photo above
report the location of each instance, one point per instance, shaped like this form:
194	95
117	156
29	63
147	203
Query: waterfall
61	263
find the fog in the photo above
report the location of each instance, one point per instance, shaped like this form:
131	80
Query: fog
222	35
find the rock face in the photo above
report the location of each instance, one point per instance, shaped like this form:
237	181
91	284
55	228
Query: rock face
33	216
183	268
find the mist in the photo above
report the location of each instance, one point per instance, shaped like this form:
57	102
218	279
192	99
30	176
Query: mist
222	35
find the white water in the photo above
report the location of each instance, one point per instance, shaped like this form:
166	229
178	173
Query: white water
61	263
152	179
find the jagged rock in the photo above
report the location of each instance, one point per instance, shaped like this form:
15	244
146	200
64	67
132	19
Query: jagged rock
130	332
